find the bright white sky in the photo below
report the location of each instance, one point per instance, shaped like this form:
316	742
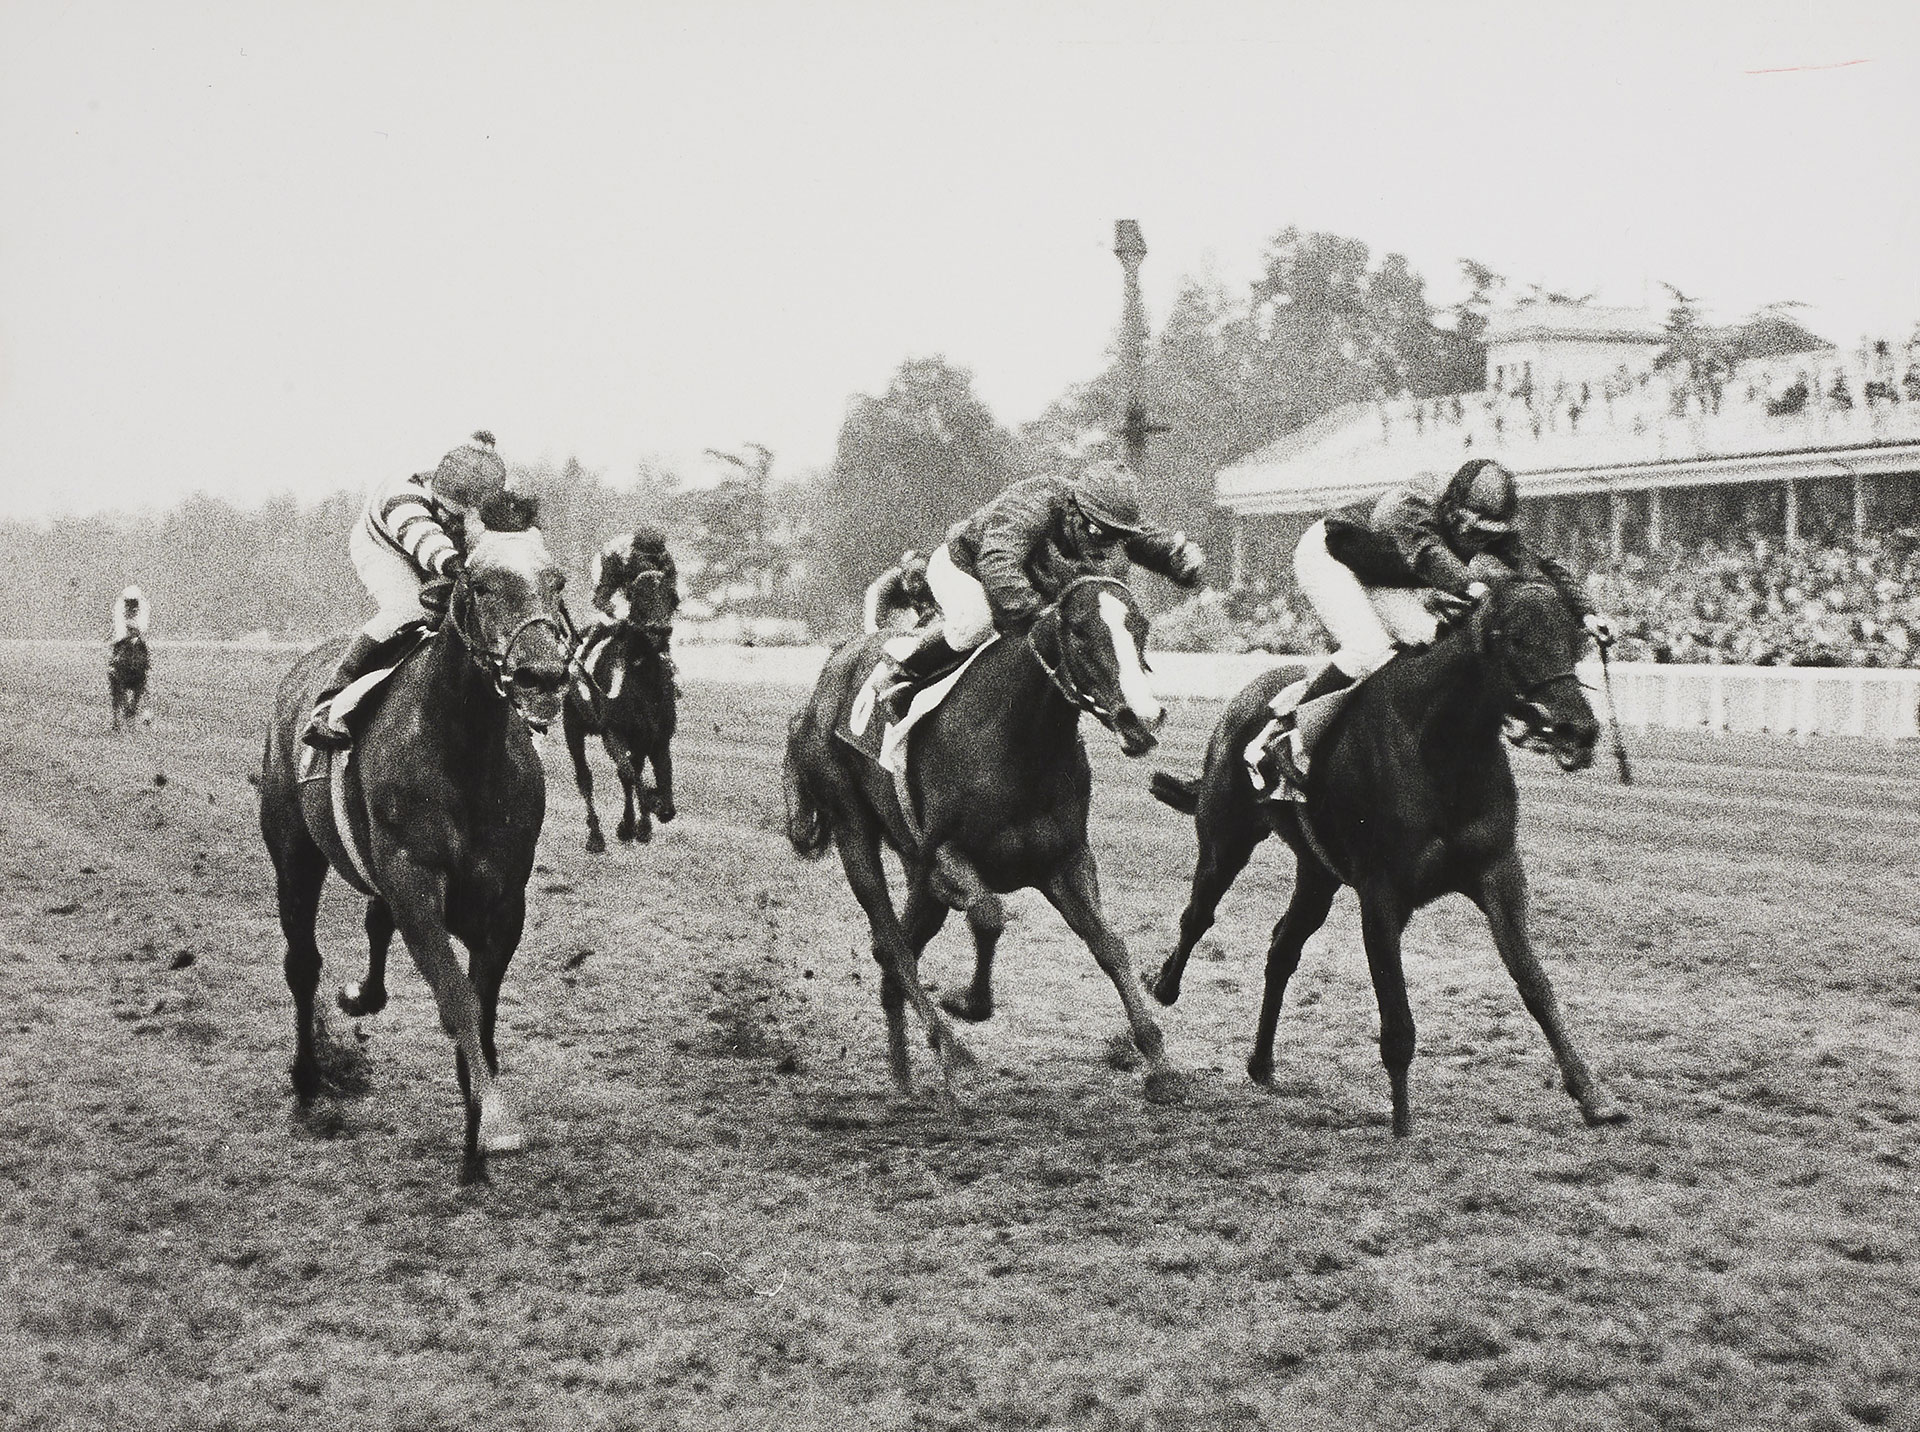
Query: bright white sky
275	246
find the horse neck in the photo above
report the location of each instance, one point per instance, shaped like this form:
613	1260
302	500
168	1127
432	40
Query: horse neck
1034	705
1452	691
464	711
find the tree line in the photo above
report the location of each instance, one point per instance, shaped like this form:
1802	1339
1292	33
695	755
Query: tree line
1232	368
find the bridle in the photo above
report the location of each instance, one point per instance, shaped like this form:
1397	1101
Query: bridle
1535	732
1062	675
495	662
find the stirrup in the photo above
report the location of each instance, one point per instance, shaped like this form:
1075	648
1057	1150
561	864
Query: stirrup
1279	756
322	734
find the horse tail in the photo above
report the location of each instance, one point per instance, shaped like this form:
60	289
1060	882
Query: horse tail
807	825
1180	792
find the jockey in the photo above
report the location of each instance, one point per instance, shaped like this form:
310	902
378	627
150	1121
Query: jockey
624	558
901	588
1381	575
1002	565
131	615
406	549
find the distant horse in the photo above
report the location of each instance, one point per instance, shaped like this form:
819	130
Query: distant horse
444	797
1410	798
127	678
999	782
625	696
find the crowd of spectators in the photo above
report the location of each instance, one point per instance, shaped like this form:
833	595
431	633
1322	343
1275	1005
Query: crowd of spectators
1745	600
1756	601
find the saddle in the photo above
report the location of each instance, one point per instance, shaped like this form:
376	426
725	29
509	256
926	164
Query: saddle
1307	728
357	700
867	725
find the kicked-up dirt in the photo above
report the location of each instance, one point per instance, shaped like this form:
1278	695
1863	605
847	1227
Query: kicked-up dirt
727	1218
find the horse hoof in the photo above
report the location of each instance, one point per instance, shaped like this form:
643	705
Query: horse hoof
624	833
360	1002
1163	989
596	842
973	1012
306	1080
500	1131
666	811
1260	1070
643	834
1166	1086
1604	1111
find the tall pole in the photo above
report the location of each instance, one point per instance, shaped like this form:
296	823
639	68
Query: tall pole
1130	248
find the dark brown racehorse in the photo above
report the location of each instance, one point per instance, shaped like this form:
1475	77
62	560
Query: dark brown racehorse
127	667
446	796
626	698
1411	798
1000	784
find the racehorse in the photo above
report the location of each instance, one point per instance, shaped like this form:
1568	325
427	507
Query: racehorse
625	695
1410	798
999	784
444	798
127	678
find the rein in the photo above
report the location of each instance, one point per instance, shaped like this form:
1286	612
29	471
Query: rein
1533	734
1062	675
495	662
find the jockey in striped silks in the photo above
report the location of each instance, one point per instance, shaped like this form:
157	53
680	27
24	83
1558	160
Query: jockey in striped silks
404	551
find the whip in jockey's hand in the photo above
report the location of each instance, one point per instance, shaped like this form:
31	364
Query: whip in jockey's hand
405	552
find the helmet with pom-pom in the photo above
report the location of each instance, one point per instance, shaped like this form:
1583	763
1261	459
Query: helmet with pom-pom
471	473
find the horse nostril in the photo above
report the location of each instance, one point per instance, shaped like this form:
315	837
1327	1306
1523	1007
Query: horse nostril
540	678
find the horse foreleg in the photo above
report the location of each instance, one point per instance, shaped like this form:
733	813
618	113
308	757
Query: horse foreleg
300	869
1227	842
662	758
1383	919
858	839
487	966
576	734
1074	890
1313	892
960	886
418	897
1502	895
369	996
635	824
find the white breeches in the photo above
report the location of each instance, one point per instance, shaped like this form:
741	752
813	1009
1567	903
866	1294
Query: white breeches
1365	621
392	581
966	617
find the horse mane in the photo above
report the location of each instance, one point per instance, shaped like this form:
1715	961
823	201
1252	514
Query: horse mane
507	511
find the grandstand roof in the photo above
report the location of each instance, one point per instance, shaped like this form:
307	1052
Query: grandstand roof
1548	320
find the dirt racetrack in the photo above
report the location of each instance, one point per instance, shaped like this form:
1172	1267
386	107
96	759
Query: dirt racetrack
727	1219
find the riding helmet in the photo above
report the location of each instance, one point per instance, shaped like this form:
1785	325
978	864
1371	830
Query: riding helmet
1483	496
471	473
1108	494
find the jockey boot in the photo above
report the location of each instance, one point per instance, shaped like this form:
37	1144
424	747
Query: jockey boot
912	671
1286	759
357	660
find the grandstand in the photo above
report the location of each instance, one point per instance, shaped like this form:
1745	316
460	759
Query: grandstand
1618	457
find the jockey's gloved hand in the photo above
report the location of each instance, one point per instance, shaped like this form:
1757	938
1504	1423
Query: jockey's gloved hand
453	566
1444	605
1188	560
1601	628
1477	591
435	595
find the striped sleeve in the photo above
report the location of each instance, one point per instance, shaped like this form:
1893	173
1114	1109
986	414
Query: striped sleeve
402	516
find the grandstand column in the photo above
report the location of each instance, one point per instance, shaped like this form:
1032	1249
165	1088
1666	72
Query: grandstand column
1239	576
1793	510
1655	526
1617	521
1859	505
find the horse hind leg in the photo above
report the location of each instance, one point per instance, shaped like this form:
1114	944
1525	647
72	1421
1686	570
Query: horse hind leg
1502	896
1313	892
959	885
858	840
662	793
635	824
369	996
300	869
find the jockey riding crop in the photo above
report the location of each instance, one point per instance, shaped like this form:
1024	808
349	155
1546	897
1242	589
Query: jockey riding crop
1613	718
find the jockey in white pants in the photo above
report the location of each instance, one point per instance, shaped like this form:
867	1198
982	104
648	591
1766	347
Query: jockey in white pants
1381	575
1000	567
132	614
404	554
